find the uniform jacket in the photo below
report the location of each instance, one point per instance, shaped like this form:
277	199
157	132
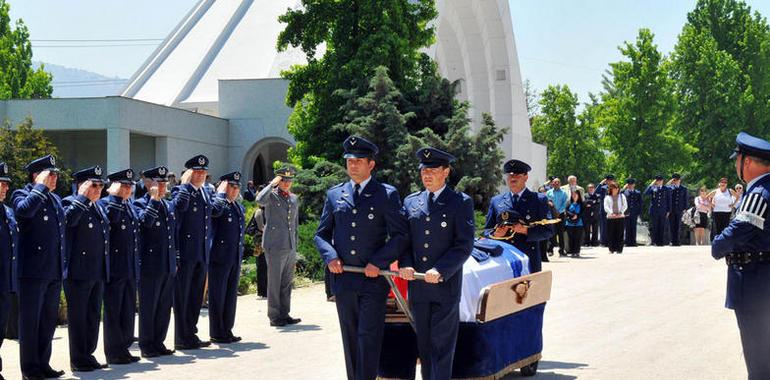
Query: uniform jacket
634	198
88	240
748	285
157	245
228	234
441	238
124	237
194	210
281	220
372	231
601	191
40	217
660	199
592	206
679	196
9	244
530	207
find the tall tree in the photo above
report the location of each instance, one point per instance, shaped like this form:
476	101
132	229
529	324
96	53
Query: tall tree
358	36
21	144
18	80
573	149
721	66
638	113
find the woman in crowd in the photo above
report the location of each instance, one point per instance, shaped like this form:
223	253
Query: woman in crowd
615	206
723	200
738	192
574	223
703	207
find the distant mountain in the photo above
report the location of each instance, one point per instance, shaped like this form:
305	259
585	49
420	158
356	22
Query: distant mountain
72	83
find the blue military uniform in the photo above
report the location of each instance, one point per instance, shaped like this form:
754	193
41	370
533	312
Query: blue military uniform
660	205
120	291
225	266
157	267
679	203
359	228
9	240
602	190
85	272
744	245
634	200
194	209
531	206
442	230
40	218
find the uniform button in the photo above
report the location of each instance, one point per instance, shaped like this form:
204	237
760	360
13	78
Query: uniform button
84	252
426	245
353	224
424	258
427	219
353	237
355	211
150	249
353	252
39	248
427	232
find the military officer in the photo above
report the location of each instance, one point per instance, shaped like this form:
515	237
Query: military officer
361	225
634	199
40	218
660	205
157	263
529	205
120	291
602	190
279	241
225	265
8	244
442	228
744	245
591	216
194	208
87	267
679	203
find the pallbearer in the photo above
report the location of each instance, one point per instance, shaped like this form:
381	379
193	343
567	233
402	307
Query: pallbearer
157	263
87	267
8	243
442	227
225	262
40	215
120	291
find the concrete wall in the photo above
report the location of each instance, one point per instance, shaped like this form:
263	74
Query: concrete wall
80	149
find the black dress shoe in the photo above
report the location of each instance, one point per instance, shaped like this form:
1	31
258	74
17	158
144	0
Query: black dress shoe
133	358
32	377
221	340
97	365
165	351
85	368
51	373
123	360
235	339
148	354
203	343
278	323
292	321
185	346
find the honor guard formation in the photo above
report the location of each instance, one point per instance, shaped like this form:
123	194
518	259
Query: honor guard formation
141	240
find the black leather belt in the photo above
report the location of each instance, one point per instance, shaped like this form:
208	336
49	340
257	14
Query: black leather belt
743	258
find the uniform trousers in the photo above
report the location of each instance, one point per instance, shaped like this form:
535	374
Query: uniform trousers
280	274
657	228
631	221
223	296
119	310
362	322
156	295
754	326
437	325
188	299
84	311
5	306
38	313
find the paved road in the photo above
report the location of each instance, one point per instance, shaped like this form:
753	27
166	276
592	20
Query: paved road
648	313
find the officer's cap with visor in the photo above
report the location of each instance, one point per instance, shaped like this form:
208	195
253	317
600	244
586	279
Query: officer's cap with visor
199	162
359	147
4	173
93	174
157	174
748	145
125	177
516	167
433	158
41	164
233	178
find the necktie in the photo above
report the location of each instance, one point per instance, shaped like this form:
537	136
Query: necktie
515	198
431	197
356	189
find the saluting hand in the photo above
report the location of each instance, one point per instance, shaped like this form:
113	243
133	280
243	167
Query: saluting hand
432	276
113	189
222	188
335	266
154	193
275	181
45	178
84	187
186	177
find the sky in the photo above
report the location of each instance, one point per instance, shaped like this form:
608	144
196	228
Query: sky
558	41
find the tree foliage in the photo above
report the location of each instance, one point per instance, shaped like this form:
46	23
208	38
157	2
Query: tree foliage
573	145
638	114
22	144
721	67
18	80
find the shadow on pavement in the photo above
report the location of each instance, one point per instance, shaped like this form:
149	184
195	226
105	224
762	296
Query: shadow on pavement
546	364
297	328
116	372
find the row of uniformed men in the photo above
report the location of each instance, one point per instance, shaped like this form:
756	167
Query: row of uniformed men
101	248
364	224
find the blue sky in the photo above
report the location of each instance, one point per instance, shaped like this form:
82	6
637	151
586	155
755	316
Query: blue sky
559	41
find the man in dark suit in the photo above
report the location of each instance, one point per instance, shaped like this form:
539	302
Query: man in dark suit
87	267
157	263
362	226
225	264
9	241
120	291
40	218
195	206
441	227
530	206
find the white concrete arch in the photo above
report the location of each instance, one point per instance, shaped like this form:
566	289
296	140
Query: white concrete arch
266	148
